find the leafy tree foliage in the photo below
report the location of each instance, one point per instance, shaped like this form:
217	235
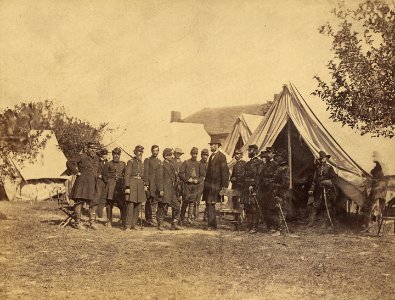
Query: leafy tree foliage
362	91
21	132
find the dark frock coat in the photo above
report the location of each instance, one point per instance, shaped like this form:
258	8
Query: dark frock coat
238	174
252	170
84	185
134	179
100	184
151	166
191	169
217	177
113	175
167	182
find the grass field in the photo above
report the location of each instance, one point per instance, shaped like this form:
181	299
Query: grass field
39	259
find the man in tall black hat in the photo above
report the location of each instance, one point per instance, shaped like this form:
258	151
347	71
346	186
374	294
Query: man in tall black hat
323	189
250	195
216	181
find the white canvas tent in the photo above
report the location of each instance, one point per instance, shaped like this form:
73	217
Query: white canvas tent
38	178
244	126
164	134
291	124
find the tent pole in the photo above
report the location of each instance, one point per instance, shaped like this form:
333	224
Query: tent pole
289	153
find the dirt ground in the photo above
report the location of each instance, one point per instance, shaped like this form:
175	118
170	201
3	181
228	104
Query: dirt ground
39	259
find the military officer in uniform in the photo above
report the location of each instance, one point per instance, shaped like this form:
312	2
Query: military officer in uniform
99	197
113	175
177	162
135	188
249	196
323	185
166	183
203	167
237	180
191	175
86	168
266	180
281	190
151	165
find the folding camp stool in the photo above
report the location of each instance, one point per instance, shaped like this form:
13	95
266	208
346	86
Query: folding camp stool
387	214
68	208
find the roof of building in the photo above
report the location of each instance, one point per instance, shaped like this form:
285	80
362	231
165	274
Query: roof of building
221	119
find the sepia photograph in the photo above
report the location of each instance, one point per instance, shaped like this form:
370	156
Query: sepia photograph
197	149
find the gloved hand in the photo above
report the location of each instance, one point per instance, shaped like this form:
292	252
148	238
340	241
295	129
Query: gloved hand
250	188
190	180
161	193
145	188
127	191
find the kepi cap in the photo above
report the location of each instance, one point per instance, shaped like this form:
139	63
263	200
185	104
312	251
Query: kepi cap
139	148
194	150
116	151
252	147
167	151
238	151
204	152
178	150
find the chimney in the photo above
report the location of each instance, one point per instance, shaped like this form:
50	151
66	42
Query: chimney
175	116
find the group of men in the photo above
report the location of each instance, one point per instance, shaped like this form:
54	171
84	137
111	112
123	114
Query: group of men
261	185
160	184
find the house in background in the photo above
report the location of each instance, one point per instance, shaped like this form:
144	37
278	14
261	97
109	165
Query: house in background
219	122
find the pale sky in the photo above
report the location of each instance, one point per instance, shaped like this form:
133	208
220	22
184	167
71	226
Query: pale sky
135	61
